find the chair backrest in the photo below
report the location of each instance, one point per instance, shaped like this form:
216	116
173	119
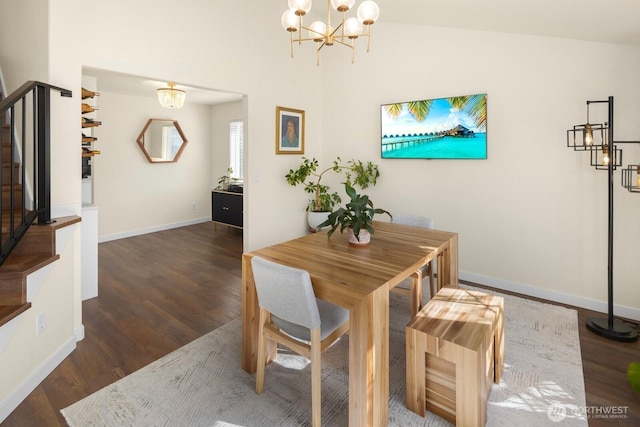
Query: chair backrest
413	220
285	292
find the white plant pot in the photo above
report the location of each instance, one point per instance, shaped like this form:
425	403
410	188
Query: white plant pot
314	219
364	235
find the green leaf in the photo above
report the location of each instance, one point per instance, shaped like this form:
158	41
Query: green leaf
355	172
633	373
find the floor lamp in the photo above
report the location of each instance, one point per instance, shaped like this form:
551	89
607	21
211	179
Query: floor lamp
606	156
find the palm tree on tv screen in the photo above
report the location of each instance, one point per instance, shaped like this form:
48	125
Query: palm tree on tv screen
418	109
474	105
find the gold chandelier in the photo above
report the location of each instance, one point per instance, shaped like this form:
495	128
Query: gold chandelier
170	97
323	34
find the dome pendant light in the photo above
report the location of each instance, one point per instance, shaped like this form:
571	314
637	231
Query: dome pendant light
170	97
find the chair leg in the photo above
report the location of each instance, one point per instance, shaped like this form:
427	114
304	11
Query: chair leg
416	293
433	285
262	350
316	377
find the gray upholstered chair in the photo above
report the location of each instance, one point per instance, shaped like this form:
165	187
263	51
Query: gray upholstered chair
291	315
427	271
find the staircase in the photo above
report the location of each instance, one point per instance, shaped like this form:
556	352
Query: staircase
24	249
36	249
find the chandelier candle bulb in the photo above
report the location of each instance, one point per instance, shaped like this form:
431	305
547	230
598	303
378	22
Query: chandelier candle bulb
368	12
342	5
290	21
352	28
300	7
317	31
638	176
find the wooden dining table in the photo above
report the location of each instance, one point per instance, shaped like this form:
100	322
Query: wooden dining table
359	279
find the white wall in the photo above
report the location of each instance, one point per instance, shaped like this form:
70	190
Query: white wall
23	51
134	195
532	217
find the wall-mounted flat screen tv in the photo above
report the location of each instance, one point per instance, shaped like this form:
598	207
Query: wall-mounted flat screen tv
441	128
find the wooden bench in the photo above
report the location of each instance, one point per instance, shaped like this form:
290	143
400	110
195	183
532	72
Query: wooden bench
455	351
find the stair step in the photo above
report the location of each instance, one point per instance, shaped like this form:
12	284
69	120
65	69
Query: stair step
6	215
35	250
7	167
6	197
8	312
17	265
13	273
6	150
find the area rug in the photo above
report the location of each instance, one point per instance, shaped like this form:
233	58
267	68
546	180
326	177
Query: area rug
202	383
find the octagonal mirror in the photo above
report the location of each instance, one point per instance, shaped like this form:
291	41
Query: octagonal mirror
162	141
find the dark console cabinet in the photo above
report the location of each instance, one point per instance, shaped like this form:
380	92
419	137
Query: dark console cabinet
226	208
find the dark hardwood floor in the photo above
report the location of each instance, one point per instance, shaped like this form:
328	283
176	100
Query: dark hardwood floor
162	290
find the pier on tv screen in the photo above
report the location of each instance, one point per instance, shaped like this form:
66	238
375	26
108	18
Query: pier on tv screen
440	128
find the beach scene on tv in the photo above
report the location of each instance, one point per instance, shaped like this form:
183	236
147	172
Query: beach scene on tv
442	128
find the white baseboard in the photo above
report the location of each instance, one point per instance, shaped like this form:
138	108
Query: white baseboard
551	295
154	229
79	333
30	383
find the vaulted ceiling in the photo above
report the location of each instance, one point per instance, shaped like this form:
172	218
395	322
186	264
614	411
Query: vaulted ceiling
608	21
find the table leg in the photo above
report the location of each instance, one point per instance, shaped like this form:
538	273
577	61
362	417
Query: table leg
250	322
453	261
499	345
448	263
369	360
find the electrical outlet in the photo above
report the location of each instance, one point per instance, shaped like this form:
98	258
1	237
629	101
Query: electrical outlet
193	206
41	323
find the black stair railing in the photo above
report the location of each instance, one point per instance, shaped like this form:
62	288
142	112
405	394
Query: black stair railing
26	161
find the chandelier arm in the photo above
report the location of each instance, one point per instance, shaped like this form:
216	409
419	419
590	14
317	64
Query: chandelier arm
307	39
308	29
353	53
291	44
336	30
350	45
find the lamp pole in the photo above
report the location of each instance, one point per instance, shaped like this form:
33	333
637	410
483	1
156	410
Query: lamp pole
610	327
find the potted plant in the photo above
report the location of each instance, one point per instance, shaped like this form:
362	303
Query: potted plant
323	202
356	218
224	180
